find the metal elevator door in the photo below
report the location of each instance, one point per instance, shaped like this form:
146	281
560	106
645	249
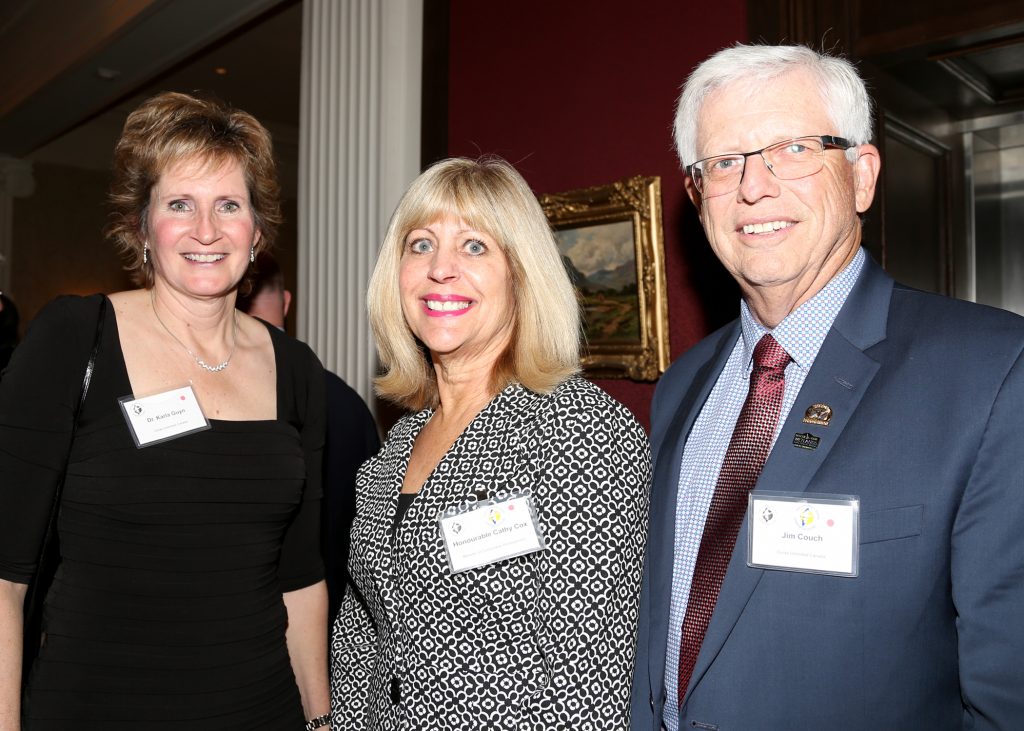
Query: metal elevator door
994	163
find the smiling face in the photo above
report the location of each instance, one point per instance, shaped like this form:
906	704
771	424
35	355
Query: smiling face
782	240
200	228
456	289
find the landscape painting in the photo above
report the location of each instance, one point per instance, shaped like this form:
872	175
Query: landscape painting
610	239
601	261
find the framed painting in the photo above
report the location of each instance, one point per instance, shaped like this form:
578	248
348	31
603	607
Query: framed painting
610	238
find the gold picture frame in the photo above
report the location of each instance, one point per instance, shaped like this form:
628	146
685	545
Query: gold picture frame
610	237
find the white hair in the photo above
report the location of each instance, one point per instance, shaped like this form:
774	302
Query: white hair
842	89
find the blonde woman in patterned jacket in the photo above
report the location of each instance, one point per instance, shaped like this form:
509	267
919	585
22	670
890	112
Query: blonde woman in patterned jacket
499	533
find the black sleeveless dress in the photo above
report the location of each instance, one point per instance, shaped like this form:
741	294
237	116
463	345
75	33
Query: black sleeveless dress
166	611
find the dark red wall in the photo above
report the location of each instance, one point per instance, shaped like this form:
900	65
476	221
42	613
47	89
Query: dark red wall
575	96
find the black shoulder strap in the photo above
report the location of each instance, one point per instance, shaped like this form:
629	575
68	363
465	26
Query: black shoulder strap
91	365
44	571
86	380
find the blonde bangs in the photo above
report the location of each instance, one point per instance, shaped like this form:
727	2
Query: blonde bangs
490	196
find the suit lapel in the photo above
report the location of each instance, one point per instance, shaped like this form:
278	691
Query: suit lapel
840	377
397	450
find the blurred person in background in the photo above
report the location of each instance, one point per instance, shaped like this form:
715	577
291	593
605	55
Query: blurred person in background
351	433
8	329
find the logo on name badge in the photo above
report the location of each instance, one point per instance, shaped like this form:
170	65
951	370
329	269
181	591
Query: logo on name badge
137	409
456	528
819	414
495	516
767	515
807	517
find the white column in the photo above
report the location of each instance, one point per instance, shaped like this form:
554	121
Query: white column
16	181
358	151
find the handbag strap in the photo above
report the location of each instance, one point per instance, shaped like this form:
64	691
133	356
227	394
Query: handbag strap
91	365
51	525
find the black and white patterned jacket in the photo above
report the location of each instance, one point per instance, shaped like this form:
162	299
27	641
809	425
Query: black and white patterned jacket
542	641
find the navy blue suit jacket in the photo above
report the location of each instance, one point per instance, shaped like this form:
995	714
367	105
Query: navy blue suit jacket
928	430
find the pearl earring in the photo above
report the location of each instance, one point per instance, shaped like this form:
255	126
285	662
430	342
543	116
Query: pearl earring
145	253
252	254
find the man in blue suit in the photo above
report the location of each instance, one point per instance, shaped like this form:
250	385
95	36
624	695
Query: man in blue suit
874	576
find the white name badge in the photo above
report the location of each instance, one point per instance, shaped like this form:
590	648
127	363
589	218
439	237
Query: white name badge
482	533
163	416
808	532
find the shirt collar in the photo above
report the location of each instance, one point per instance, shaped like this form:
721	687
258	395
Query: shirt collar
803	330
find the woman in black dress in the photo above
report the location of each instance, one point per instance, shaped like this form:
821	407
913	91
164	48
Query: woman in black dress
189	593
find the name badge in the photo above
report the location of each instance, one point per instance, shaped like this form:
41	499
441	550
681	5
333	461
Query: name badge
163	416
808	532
481	533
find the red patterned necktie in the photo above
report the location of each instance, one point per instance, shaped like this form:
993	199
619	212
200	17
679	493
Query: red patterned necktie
748	449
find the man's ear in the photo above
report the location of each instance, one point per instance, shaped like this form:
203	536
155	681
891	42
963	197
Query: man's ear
865	175
287	299
692	192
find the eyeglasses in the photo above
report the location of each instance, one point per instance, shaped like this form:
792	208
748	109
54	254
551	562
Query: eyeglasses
787	160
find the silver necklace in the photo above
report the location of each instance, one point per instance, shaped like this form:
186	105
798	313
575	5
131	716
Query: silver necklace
199	361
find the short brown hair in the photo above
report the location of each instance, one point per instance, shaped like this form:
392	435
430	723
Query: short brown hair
491	196
170	128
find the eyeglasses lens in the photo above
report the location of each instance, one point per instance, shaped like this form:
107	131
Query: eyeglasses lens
787	160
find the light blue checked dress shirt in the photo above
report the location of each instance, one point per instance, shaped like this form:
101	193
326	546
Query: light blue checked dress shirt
801	334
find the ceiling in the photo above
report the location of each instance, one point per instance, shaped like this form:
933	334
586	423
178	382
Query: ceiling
974	73
72	113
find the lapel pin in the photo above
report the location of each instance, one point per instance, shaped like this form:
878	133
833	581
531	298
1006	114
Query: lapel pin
805	440
819	414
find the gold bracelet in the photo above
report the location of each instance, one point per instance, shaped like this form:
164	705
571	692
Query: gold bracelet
318	722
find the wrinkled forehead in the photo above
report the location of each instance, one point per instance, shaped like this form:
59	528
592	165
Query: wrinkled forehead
751	113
